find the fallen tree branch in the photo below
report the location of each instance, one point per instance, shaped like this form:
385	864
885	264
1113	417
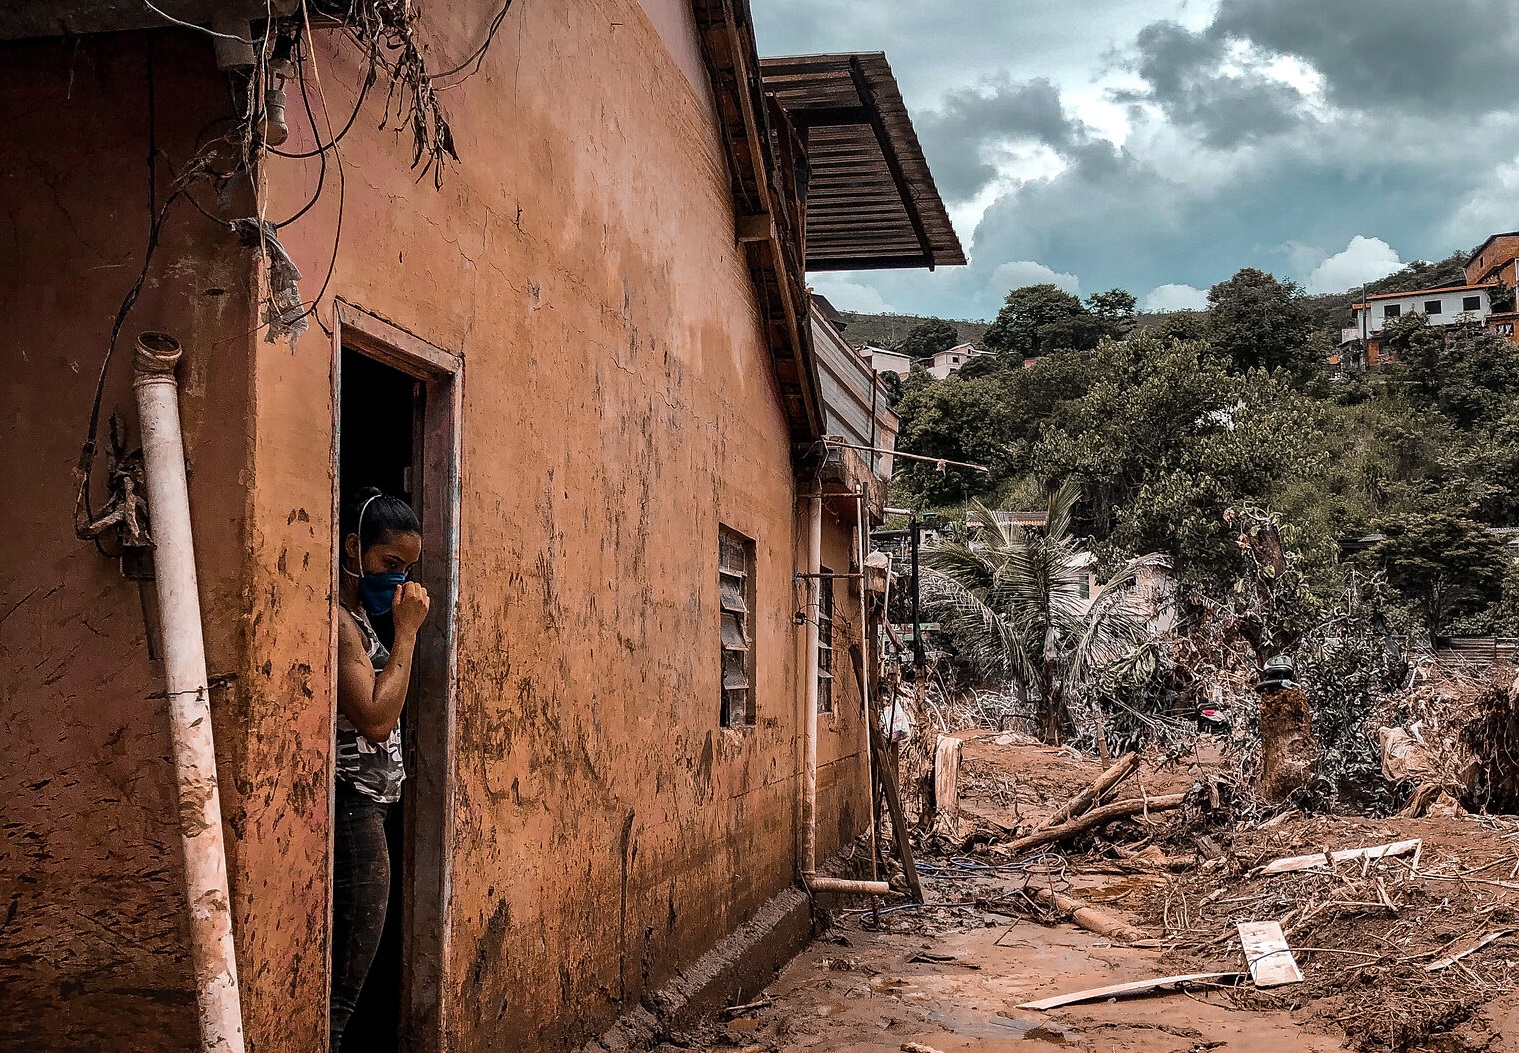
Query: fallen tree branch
1088	917
1090	821
1127	765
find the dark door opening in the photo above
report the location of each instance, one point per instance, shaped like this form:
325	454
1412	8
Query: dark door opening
378	444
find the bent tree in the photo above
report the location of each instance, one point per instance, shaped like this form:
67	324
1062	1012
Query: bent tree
1013	600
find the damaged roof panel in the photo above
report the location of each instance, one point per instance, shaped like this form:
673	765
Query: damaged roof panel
871	200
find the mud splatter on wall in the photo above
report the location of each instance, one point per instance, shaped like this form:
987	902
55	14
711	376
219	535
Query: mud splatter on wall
618	407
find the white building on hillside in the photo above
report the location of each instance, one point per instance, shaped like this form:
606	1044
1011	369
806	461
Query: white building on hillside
1455	304
950	361
884	361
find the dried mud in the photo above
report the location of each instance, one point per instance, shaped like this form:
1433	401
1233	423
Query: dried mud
949	976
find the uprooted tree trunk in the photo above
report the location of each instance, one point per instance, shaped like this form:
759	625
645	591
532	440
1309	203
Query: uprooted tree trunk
1289	752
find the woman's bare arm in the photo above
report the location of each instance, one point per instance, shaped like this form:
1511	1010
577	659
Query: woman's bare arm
372	701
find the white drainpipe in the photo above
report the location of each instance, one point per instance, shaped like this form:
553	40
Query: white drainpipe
810	721
184	660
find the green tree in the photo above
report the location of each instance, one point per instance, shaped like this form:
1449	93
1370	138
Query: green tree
1258	322
1040	318
1165	440
929	337
1013	603
1470	376
1115	309
1180	325
957	420
988	418
1446	565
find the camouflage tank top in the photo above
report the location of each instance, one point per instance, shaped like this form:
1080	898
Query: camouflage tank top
374	769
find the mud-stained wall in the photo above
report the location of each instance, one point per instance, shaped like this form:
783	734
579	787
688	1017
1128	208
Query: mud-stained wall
843	779
93	947
618	407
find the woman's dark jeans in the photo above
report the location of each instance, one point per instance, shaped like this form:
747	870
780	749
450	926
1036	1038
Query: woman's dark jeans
360	895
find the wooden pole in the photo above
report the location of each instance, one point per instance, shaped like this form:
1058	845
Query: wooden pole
889	785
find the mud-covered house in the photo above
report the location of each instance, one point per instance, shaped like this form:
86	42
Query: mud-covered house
540	268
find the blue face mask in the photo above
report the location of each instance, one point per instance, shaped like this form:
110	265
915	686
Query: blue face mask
378	591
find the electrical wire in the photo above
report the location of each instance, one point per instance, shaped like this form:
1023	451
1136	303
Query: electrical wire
192	25
321	179
369	81
478	55
337	234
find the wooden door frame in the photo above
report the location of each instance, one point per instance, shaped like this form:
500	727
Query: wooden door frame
430	814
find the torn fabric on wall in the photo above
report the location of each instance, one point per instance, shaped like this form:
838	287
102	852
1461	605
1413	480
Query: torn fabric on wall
284	312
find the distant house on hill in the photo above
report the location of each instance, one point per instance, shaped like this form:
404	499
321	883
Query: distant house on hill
885	361
1497	260
952	359
1362	344
1492	273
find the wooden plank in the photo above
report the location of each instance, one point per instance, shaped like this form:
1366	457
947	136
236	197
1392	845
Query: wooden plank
1290	864
947	785
1471	948
1136	987
885	773
1267	954
1125	766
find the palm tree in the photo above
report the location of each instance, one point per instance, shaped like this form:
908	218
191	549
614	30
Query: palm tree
1012	598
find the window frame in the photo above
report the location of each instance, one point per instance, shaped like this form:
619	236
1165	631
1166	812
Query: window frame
825	610
1434	307
735	603
1392	310
1471	303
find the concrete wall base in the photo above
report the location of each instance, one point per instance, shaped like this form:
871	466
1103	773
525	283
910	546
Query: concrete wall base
734	971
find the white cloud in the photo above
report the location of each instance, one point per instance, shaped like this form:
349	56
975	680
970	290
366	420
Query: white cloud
1488	210
1018	273
850	296
1363	260
1175	298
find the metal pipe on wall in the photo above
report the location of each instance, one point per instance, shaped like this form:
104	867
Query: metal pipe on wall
862	550
184	658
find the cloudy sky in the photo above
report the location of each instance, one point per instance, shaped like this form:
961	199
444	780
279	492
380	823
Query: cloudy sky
1161	145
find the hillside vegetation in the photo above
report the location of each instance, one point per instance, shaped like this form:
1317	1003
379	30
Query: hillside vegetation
1170	427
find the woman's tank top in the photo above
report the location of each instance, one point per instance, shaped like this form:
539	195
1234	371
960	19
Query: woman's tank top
373	768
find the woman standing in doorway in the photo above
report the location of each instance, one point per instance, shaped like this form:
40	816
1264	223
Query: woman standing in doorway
382	541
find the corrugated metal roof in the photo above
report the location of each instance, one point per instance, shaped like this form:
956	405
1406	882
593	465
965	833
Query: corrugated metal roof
871	200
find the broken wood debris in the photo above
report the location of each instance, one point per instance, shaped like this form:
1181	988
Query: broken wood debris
1091	820
1135	987
1087	917
1267	954
1126	766
1290	864
947	785
930	958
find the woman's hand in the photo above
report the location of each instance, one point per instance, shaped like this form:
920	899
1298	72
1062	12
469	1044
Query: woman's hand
409	607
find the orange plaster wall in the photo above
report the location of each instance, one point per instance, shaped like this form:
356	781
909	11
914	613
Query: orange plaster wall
93	949
618	407
843	794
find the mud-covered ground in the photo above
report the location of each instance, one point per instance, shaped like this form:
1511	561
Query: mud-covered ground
951	975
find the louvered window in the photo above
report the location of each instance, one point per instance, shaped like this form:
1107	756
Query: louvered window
825	643
736	601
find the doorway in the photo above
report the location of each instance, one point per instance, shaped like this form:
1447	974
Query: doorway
378	411
397	429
